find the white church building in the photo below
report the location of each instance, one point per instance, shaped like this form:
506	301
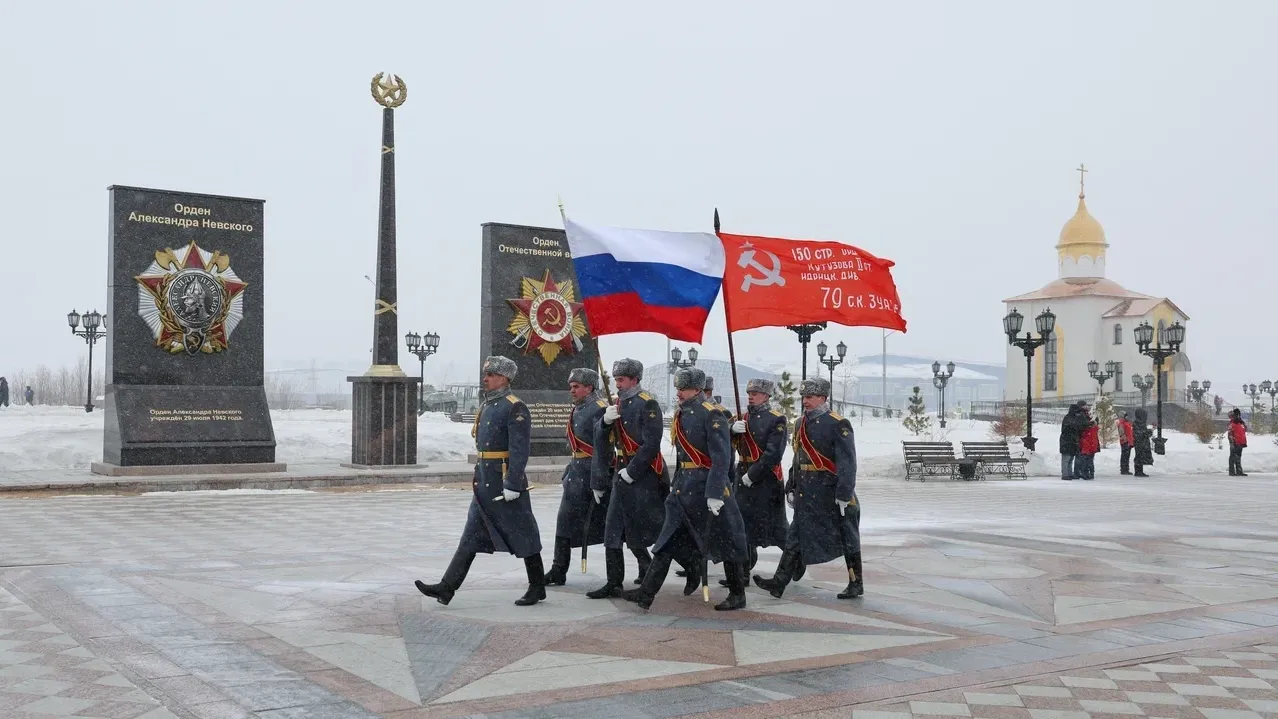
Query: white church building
1095	319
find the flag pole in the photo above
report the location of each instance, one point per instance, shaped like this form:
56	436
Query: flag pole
594	341
732	353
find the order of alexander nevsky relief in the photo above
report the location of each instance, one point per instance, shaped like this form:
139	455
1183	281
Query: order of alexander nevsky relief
191	299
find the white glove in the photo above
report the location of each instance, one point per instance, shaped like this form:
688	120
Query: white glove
745	479
739	427
715	505
509	495
611	414
598	495
625	476
789	499
843	506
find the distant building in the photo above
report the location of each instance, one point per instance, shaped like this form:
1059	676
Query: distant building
660	381
1095	320
972	381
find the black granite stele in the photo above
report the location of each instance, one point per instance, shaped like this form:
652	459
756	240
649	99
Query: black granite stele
183	408
512	253
384	400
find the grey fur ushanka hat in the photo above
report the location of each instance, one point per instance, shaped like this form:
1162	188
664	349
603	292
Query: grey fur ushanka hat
627	367
584	375
814	387
690	378
504	366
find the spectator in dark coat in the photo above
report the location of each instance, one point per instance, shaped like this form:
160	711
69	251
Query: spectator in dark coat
1071	434
1141	435
29	394
4	392
1237	441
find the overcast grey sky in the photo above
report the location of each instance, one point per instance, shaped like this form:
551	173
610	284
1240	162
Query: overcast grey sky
940	135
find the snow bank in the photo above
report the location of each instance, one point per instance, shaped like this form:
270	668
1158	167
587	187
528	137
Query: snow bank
51	438
44	438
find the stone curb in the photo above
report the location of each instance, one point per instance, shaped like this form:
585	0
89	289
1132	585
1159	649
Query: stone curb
186	483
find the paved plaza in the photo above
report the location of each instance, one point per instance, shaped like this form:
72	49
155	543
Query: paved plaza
995	600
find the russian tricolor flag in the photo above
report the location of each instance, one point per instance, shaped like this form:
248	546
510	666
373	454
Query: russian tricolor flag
646	280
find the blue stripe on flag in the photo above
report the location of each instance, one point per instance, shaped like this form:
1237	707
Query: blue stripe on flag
656	284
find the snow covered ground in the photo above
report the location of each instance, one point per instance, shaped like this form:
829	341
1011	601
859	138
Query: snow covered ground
51	438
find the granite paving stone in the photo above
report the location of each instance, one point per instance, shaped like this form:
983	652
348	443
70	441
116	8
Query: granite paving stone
302	605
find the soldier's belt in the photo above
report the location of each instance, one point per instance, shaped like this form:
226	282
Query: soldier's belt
692	465
580	455
494	455
624	453
812	468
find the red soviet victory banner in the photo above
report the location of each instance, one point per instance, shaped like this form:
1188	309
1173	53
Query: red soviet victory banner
773	282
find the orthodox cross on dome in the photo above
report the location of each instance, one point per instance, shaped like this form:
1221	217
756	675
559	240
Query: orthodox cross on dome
1081	170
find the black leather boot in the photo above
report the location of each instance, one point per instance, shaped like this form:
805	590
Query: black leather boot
452	580
558	574
691	579
777	584
644	559
652	582
616	565
752	558
856	587
799	570
536	582
736	588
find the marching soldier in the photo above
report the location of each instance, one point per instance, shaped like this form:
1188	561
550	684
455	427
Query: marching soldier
702	521
634	512
827	518
579	523
708	396
501	514
760	438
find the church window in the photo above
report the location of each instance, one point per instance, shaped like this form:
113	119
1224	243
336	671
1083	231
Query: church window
1049	365
1118	334
1118	376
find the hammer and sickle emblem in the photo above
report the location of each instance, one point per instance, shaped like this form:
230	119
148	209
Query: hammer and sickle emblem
389	91
770	276
553	317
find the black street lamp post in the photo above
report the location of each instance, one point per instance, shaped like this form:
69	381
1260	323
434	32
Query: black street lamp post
1044	323
423	346
91	335
831	362
940	380
1254	393
1166	344
1144	384
677	362
1093	371
805	333
1198	392
1271	389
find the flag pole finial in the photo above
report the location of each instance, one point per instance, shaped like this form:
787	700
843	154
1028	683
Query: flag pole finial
716	220
560	200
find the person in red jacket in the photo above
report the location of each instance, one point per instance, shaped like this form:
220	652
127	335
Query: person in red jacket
1125	441
1088	447
1237	441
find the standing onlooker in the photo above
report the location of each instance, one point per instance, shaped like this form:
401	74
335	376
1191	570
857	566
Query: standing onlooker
1237	441
4	392
1071	433
1220	404
1125	442
29	394
1088	446
1141	435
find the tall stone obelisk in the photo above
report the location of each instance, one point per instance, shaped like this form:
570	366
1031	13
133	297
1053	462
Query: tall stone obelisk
384	399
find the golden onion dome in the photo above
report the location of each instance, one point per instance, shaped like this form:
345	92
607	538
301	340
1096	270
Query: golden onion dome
1082	229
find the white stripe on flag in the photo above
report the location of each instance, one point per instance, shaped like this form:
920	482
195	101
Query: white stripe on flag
701	252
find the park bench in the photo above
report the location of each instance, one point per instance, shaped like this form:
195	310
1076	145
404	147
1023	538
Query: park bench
995	458
460	417
930	459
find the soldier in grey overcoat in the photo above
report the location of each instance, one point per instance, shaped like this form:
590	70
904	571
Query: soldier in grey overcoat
577	506
501	515
760	439
701	513
628	436
827	517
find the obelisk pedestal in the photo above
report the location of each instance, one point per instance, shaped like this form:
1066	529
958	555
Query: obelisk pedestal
384	399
